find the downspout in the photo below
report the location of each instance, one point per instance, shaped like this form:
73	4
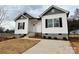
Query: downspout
41	27
67	24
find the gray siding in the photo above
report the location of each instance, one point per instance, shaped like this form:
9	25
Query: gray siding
56	11
21	17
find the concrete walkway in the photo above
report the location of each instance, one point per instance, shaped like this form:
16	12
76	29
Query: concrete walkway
51	47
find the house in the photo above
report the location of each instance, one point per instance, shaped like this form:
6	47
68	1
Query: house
52	23
75	32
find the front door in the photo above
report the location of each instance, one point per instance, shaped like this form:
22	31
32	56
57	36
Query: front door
34	28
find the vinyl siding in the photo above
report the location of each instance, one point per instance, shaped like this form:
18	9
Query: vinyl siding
54	30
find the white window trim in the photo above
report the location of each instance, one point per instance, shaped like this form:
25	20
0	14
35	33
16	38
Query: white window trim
53	23
56	22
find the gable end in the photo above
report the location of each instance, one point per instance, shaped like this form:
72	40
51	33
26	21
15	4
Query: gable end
23	16
55	11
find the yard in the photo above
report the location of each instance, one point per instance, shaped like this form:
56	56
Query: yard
16	46
74	40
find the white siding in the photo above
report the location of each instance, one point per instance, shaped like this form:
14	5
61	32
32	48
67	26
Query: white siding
40	25
37	27
30	26
55	30
21	31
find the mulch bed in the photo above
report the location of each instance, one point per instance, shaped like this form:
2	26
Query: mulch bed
75	44
74	39
4	39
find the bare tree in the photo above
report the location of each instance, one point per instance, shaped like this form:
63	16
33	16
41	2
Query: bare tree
76	14
3	14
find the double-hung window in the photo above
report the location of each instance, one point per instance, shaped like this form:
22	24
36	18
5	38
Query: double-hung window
21	25
56	22
49	23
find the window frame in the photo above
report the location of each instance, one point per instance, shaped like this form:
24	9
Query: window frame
49	25
21	25
53	23
58	22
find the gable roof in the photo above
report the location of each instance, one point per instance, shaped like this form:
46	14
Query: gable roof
47	10
25	15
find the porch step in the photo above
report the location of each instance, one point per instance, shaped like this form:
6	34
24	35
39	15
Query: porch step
38	35
34	35
31	35
20	36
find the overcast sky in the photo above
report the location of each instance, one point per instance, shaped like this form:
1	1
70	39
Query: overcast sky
35	10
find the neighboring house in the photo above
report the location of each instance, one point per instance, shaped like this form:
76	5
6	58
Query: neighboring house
74	32
52	23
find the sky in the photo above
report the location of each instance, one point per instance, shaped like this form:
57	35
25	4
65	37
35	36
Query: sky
12	11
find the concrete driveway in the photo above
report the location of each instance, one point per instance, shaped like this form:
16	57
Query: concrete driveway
51	47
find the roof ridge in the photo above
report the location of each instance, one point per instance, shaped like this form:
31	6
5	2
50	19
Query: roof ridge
54	7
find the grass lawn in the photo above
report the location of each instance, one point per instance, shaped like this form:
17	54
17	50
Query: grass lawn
75	43
16	46
74	35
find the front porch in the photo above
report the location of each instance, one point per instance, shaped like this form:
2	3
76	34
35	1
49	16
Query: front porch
34	28
34	35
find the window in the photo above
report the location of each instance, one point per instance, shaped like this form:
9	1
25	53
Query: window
50	23
57	22
21	25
